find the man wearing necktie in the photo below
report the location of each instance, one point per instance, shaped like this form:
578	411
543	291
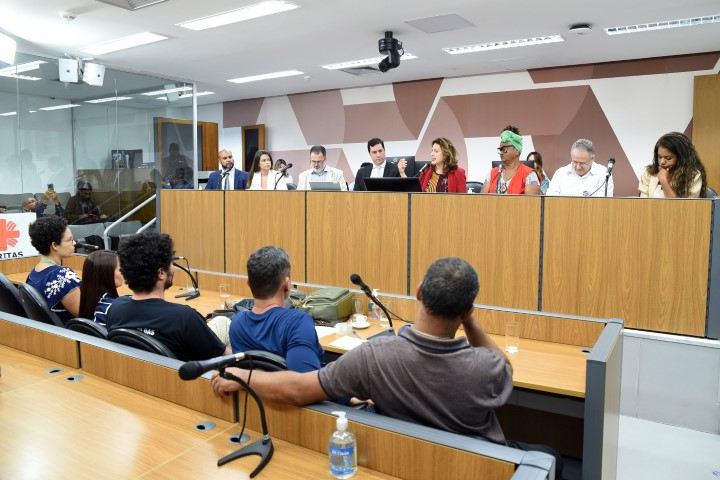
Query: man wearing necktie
228	177
378	168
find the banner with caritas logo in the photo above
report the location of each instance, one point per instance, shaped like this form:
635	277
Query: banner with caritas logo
14	237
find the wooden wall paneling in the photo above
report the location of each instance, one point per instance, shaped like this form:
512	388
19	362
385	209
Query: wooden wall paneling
391	453
39	343
498	235
75	262
18	265
254	219
644	261
195	221
706	125
363	233
155	380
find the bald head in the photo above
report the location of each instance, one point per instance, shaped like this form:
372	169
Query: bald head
225	157
29	204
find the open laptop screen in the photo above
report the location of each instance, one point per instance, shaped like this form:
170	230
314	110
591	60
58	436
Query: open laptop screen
325	186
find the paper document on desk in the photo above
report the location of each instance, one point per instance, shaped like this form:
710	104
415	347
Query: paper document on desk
347	343
324	331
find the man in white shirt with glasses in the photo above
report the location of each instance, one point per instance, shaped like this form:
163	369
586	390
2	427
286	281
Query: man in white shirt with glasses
582	177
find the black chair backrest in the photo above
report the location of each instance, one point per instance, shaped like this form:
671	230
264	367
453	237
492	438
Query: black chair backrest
474	186
10	301
262	360
291	186
711	193
36	306
139	340
87	326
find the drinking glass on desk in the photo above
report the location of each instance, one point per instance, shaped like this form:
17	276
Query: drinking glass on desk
388	302
224	294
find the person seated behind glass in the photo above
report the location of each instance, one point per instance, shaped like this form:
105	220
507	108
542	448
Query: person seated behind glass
60	286
101	272
82	207
262	176
279	165
537	160
183	179
511	177
443	175
31	204
676	170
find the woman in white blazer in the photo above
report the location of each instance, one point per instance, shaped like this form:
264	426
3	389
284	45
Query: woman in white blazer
262	176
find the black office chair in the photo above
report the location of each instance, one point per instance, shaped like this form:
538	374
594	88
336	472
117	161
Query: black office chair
87	326
262	360
475	187
10	301
711	193
36	306
291	186
139	340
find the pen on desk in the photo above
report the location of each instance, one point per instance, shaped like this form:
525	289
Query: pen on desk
356	334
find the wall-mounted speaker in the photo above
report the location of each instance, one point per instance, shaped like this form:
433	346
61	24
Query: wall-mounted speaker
94	74
68	70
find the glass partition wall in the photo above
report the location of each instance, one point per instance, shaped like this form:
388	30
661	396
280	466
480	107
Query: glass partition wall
122	139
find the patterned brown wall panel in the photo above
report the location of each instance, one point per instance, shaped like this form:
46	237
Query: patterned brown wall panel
369	120
321	116
443	124
336	158
414	100
241	112
629	68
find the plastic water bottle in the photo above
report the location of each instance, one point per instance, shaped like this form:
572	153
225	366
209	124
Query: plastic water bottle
374	314
343	450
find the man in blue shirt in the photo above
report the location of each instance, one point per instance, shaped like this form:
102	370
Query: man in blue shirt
269	325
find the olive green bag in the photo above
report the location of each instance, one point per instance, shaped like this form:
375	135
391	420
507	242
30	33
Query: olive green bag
329	306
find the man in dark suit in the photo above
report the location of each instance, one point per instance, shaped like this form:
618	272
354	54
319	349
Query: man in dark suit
228	178
378	168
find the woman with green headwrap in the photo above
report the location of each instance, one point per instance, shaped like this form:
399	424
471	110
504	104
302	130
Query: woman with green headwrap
511	177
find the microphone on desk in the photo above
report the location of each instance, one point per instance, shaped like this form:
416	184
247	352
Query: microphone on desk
193	278
194	369
422	169
610	165
87	246
281	173
355	279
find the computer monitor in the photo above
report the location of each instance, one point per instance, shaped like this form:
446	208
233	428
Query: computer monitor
325	186
528	163
393	184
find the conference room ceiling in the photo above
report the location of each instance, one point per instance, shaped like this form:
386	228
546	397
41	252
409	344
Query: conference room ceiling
323	32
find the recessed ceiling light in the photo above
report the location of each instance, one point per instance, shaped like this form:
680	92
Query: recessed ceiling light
647	27
245	13
8	114
523	42
109	99
124	43
167	90
266	76
60	107
364	62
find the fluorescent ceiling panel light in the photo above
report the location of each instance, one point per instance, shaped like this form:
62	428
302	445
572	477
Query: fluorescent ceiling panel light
364	62
23	77
23	67
8	114
523	42
167	90
648	27
8	46
246	13
124	43
109	99
60	107
266	76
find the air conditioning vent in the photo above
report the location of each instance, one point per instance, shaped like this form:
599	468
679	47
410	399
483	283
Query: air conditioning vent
360	71
131	4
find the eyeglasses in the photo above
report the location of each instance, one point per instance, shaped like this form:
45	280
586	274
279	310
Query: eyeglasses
580	164
504	149
317	162
71	240
225	158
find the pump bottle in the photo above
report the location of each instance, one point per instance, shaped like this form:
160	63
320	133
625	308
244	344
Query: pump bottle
342	449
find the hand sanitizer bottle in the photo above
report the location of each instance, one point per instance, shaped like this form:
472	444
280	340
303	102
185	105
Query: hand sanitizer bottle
342	449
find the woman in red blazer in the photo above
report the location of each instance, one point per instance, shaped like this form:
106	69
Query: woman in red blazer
443	174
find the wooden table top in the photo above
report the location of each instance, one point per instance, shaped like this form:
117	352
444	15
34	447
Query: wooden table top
544	366
93	428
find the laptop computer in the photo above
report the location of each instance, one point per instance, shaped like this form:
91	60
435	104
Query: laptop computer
325	186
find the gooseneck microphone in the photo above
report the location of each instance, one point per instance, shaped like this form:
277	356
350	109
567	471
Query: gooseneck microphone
355	279
422	169
281	173
87	246
193	278
194	369
611	164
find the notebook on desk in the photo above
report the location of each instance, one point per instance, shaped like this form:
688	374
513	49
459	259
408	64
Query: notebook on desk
325	186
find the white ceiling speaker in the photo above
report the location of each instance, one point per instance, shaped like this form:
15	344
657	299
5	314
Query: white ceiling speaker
68	70
94	74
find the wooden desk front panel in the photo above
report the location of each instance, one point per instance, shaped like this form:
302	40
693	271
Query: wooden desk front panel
37	342
645	261
380	450
257	219
195	220
364	233
156	380
498	235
